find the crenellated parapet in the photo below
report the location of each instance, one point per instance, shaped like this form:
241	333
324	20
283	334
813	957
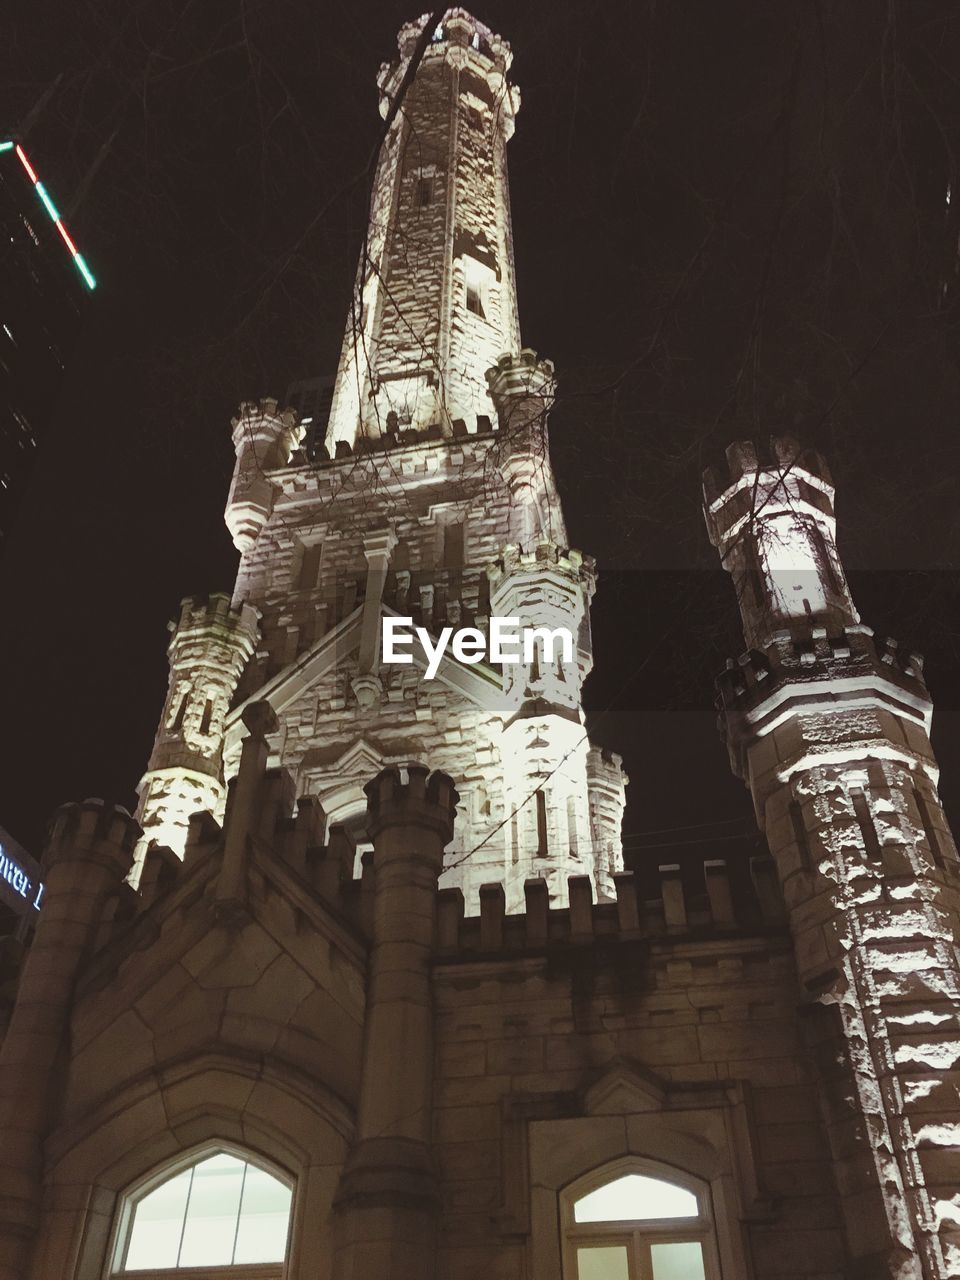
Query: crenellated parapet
211	644
717	899
857	679
717	905
462	42
523	388
264	437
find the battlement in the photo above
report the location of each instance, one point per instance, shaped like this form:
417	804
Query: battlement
270	843
395	439
722	899
757	492
92	830
264	416
549	556
214	614
604	766
727	906
783	454
828	681
847	653
522	374
459	35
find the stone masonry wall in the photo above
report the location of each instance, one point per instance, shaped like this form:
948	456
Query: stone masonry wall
319	519
541	1030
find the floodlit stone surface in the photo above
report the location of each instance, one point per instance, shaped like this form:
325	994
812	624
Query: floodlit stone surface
829	728
373	933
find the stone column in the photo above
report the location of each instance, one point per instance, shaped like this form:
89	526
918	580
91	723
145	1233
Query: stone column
87	856
230	896
830	730
388	1197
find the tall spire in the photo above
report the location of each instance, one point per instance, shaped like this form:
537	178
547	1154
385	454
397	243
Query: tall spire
435	302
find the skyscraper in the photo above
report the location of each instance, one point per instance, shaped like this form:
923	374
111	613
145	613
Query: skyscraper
44	283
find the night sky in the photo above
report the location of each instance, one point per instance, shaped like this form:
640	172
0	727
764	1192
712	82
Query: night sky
730	219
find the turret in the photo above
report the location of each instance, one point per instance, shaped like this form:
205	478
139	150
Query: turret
773	523
523	389
606	788
544	746
829	727
210	647
264	438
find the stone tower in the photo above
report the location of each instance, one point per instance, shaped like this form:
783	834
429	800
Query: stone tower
433	499
828	726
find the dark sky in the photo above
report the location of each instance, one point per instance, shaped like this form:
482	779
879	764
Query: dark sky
730	219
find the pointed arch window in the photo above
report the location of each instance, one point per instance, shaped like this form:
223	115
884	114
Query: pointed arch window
637	1220
220	1214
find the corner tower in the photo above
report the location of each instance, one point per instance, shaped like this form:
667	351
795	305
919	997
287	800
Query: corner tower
829	725
433	499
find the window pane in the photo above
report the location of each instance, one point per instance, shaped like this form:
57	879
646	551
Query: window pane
635	1196
264	1218
212	1212
677	1261
607	1263
158	1224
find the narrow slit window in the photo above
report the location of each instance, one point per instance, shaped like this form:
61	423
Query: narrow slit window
542	849
206	717
865	821
176	724
929	830
475	299
453	546
572	826
424	189
800	835
308	577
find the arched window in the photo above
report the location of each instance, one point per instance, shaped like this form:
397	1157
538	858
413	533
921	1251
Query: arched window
218	1211
638	1221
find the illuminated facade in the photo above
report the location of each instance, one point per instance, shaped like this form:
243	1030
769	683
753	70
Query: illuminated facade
326	1032
43	286
432	498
